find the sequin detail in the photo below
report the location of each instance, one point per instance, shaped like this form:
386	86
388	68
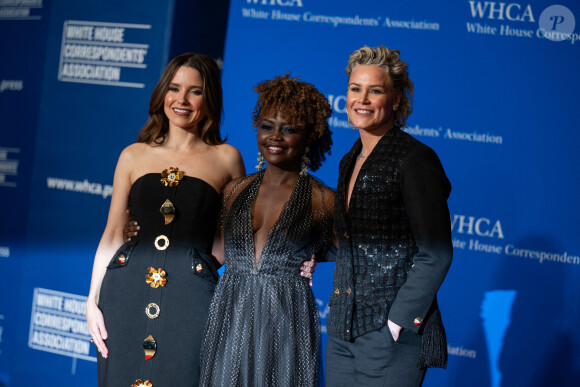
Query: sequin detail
259	300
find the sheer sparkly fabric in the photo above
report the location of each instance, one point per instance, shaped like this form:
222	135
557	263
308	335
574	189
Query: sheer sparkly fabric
263	328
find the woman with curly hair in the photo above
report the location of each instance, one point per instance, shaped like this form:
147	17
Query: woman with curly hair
263	327
394	232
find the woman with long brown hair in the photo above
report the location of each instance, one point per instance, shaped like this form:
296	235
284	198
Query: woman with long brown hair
148	304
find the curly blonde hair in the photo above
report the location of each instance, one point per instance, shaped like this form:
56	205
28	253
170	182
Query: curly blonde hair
303	106
396	68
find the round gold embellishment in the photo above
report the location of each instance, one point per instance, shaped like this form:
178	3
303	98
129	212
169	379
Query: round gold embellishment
165	244
152	310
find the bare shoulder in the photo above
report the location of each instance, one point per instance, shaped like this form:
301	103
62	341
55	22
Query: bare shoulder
228	151
329	196
132	157
231	184
135	151
231	159
322	194
231	189
324	189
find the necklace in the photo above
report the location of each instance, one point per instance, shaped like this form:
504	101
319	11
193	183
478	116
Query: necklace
361	156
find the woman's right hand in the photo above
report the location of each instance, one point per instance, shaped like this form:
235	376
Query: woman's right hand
96	324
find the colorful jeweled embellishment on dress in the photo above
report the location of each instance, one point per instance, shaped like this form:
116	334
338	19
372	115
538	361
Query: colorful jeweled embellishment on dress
171	176
140	383
122	258
150	347
156	277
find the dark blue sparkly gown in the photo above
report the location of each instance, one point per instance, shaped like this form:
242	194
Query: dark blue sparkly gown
263	327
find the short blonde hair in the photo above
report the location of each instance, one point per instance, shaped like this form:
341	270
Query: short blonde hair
398	72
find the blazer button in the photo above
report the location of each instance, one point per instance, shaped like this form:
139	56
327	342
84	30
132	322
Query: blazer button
345	235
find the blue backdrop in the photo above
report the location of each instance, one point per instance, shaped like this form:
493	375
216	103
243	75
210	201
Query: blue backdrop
495	96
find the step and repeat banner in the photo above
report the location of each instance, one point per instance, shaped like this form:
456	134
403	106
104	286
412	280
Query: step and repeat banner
495	96
76	78
23	32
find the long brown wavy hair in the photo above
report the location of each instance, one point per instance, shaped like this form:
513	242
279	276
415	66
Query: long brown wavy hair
156	128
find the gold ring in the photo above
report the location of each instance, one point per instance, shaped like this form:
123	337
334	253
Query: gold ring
148	310
161	238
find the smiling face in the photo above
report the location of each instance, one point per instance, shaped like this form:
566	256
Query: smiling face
281	144
370	99
183	104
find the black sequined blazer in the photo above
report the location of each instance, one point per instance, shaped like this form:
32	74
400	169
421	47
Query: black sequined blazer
395	241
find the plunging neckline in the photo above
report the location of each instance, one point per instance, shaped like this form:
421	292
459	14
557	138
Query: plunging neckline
352	165
257	260
347	183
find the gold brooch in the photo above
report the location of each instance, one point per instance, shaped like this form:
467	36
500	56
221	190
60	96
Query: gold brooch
171	176
140	383
155	278
168	211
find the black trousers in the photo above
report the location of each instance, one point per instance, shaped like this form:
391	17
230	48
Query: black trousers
375	359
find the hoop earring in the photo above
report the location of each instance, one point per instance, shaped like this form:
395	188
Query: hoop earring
261	161
304	163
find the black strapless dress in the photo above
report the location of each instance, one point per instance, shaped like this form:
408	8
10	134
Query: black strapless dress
158	287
